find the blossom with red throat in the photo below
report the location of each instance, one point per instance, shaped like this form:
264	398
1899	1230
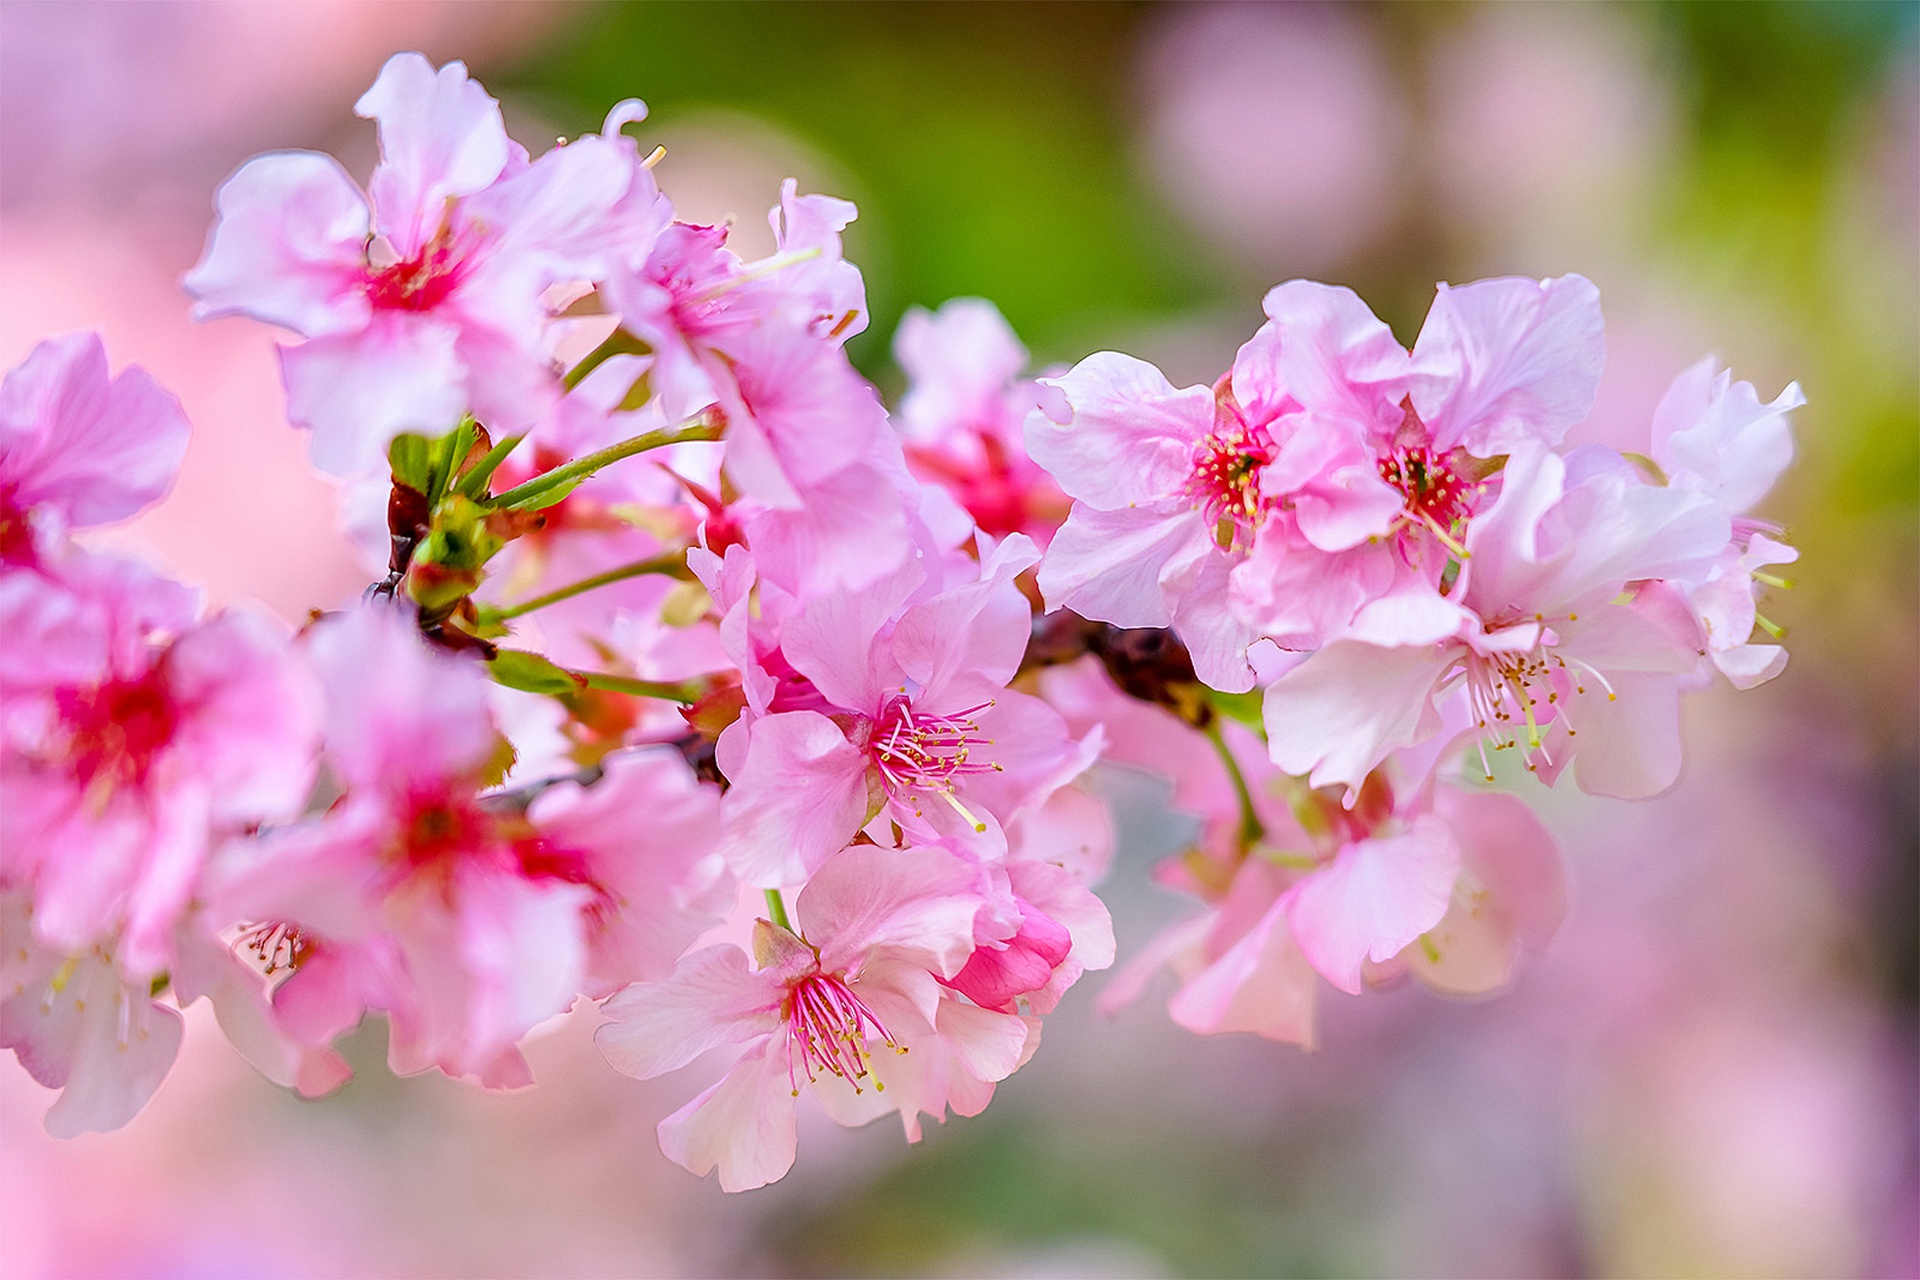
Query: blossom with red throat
466	919
1540	642
963	414
897	710
80	448
134	739
426	301
845	1003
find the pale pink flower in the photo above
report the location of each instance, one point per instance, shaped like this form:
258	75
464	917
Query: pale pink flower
1418	875
847	1005
692	300
1534	638
963	415
899	711
1712	435
83	1024
468	921
1329	469
79	448
426	299
133	739
1379	457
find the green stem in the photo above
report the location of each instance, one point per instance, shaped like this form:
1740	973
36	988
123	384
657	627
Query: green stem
1251	828
704	425
618	343
672	566
777	909
686	693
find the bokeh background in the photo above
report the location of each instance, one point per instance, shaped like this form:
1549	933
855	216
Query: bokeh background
1712	1072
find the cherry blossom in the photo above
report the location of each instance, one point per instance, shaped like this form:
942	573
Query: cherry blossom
845	1004
425	298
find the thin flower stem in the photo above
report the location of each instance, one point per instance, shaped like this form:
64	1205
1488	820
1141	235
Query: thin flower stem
618	343
672	566
777	909
705	425
1251	828
686	693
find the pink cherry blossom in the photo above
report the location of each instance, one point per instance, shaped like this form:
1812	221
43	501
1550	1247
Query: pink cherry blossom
1379	452
1535	640
846	1004
905	714
1712	435
963	415
1166	489
133	738
465	919
78	448
426	299
1330	468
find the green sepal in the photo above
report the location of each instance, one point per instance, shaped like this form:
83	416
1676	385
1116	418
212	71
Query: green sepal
473	482
519	669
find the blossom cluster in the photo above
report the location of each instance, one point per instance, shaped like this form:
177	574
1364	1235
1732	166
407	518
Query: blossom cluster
700	685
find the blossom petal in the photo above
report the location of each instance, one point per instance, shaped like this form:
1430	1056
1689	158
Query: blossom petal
1501	362
1337	715
1130	436
710	1000
745	1125
441	137
1375	898
289	247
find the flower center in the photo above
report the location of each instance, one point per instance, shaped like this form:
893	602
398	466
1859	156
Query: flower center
422	282
1438	489
1225	484
1513	695
116	731
827	1030
16	533
915	751
275	945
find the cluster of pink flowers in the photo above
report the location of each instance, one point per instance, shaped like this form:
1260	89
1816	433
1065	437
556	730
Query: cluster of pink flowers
777	740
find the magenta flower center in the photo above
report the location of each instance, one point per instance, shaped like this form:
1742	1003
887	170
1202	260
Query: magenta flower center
827	1031
275	945
915	751
1225	484
1437	496
419	283
16	533
117	730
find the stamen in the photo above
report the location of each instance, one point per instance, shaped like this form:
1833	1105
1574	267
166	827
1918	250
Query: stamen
828	1027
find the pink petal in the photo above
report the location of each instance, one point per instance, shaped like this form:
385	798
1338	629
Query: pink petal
1108	565
1501	362
744	1125
1511	893
93	449
800	795
356	392
915	904
1375	898
1262	984
289	247
1130	436
710	1000
1324	350
441	137
1339	713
